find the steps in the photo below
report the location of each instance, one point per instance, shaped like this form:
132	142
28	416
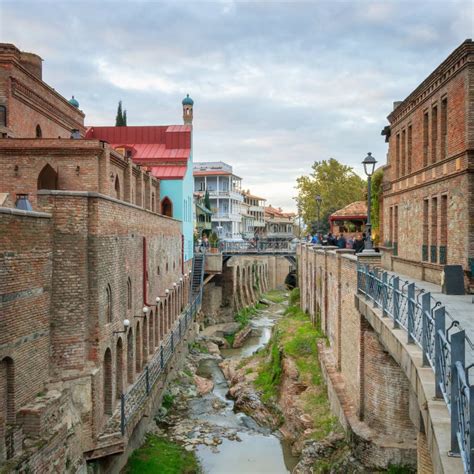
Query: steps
198	272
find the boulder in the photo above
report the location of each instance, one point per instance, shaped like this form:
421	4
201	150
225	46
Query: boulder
242	336
203	385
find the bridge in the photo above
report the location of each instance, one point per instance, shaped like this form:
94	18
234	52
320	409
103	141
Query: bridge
397	363
260	248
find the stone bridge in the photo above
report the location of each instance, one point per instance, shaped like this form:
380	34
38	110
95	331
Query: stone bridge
394	365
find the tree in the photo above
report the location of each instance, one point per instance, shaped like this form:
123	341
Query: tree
207	201
337	184
376	191
119	120
125	118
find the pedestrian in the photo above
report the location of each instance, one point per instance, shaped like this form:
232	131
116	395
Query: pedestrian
205	243
341	241
330	239
358	244
350	243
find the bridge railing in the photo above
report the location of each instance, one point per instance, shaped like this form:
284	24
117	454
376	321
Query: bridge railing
260	246
443	349
134	399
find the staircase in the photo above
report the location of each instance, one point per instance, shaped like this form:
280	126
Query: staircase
198	272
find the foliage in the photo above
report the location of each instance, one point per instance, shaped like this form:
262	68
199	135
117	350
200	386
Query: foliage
269	376
198	347
275	296
337	184
396	469
213	239
207	201
168	400
121	117
294	297
230	338
376	191
161	456
244	315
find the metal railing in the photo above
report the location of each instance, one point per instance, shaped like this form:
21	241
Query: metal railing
443	349
133	400
260	246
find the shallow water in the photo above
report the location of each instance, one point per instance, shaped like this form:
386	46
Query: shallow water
258	451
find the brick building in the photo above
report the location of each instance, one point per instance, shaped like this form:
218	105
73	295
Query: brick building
427	215
83	250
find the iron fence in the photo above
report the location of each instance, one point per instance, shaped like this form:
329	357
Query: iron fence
259	246
443	348
133	400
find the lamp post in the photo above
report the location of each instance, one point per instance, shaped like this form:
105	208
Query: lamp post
369	167
318	207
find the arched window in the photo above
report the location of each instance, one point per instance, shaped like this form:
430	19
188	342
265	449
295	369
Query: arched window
167	207
130	356
3	116
117	187
119	369
138	352
108	382
39	133
158	270
108	304
48	178
129	293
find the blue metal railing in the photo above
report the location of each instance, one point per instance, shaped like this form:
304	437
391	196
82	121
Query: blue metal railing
134	399
443	349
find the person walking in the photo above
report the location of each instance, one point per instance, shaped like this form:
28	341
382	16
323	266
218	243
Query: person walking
358	244
341	241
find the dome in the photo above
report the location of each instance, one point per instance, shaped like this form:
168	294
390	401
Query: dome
74	102
187	100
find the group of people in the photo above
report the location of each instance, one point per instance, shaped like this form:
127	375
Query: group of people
356	243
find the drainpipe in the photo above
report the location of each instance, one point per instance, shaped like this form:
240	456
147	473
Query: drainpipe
145	276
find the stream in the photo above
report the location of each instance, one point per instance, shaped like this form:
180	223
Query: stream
234	443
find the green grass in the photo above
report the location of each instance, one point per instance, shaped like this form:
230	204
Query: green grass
230	338
294	297
269	376
275	296
244	316
168	400
160	456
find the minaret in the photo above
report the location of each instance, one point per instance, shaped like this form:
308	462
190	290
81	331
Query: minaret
188	110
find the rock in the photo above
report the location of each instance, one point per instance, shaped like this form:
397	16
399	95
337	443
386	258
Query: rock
203	385
189	448
213	348
265	301
242	336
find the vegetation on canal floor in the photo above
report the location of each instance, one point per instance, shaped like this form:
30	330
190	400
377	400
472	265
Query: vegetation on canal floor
161	456
275	296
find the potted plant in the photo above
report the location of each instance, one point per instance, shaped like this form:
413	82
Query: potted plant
213	241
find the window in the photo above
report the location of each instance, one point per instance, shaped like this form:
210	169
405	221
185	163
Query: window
409	149
444	128
117	187
434	230
130	356
108	304
129	293
443	236
434	134
403	153
397	157
107	395
119	369
39	133
167	207
424	250
3	116
395	231
425	138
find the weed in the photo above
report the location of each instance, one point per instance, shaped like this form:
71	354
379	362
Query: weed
294	297
275	296
230	339
168	400
268	379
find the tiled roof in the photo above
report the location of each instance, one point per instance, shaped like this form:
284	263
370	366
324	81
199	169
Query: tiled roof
273	211
354	209
169	171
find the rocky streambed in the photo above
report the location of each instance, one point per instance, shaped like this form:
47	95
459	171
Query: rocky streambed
200	413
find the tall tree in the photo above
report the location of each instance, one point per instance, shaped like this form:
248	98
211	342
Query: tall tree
207	201
119	117
337	184
124	118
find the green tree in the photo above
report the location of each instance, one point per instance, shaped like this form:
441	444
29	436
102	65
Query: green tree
119	118
376	191
337	184
125	118
207	201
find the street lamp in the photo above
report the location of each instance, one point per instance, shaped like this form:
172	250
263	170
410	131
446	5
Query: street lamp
318	207
369	168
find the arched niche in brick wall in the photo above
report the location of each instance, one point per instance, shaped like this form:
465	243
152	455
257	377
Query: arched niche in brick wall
48	178
167	207
119	368
130	356
107	368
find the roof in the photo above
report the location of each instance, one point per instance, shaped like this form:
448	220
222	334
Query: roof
273	211
250	195
203	208
215	173
169	171
354	210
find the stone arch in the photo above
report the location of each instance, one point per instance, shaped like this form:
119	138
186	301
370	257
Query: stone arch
130	356
38	132
117	187
119	368
138	352
107	385
47	178
167	207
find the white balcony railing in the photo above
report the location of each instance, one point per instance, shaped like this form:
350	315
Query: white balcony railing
222	216
226	194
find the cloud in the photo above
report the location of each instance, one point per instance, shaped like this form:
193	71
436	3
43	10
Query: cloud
277	85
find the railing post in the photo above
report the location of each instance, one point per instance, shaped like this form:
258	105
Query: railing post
411	312
457	355
179	326
122	413
425	316
396	302
384	294
172	342
375	287
147	378
162	362
440	325
366	275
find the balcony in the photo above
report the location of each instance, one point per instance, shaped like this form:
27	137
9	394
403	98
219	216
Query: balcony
226	216
280	235
221	194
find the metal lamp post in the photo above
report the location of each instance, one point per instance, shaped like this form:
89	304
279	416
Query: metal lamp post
369	168
318	207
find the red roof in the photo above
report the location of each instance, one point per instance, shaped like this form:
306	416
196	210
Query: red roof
354	210
169	172
164	149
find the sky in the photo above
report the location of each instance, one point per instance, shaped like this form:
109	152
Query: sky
276	85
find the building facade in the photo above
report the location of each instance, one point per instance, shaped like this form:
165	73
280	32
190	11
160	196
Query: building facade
279	225
256	209
84	253
427	215
225	194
